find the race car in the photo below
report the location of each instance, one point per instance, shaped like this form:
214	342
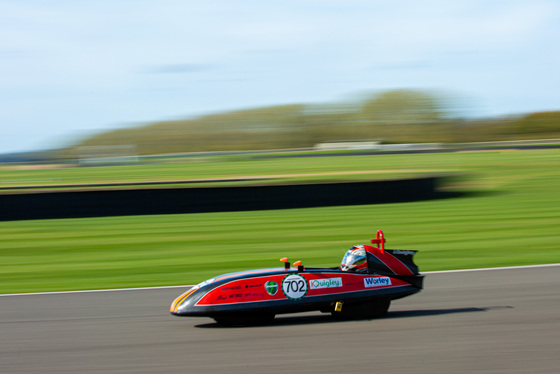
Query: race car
363	286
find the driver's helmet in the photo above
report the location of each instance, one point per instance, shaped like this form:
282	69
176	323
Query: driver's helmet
355	259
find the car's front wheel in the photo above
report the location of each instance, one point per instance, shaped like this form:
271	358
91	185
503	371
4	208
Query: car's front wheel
244	319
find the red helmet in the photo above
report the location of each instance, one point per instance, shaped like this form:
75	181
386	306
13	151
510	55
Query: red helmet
355	259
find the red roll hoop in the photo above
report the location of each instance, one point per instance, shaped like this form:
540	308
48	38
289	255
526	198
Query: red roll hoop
379	240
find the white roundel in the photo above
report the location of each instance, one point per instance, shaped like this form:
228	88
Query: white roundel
294	286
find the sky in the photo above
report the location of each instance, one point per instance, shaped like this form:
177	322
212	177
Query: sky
72	68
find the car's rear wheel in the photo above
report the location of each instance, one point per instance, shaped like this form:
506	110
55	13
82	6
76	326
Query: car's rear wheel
370	309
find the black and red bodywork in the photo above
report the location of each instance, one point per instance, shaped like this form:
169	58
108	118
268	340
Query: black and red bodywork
261	294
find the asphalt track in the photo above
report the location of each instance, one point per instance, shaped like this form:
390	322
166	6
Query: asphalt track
494	321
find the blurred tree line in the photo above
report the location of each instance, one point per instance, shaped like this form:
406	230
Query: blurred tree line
400	116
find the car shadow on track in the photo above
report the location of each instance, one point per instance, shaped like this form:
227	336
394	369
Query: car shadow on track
437	312
283	320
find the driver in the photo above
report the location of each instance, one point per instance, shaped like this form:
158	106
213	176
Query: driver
355	260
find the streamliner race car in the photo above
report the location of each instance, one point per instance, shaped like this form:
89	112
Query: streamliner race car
362	287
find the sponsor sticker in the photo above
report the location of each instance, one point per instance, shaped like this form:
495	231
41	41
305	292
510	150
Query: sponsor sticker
325	283
231	288
377	282
294	286
253	295
271	287
401	252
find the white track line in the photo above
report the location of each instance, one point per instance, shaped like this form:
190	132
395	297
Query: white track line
488	269
190	285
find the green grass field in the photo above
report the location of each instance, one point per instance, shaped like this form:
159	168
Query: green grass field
509	215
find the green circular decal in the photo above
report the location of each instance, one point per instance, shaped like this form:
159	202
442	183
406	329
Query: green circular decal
271	287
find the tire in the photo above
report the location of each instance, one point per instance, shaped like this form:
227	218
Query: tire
231	320
368	310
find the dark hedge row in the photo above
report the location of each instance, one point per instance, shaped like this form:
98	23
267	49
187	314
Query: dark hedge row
99	203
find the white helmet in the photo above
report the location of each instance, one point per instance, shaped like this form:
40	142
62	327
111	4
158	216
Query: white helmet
355	259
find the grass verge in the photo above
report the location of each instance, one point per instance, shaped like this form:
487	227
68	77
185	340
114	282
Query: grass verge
509	214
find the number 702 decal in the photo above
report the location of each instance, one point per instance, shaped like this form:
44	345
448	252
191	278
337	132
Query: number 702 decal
294	286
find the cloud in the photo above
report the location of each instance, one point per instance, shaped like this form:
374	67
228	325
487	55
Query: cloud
179	68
